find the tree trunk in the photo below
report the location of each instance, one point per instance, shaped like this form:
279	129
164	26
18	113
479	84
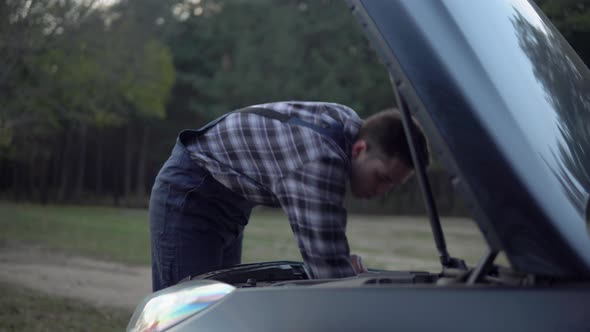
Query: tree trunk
81	164
31	168
141	162
98	185
55	165
64	167
44	180
15	184
116	164
128	162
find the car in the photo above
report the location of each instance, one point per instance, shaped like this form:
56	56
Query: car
505	103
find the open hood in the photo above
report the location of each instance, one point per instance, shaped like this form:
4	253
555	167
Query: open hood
505	102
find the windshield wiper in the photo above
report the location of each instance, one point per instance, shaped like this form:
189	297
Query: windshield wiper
439	238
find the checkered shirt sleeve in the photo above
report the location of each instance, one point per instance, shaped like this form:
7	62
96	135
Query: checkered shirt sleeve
312	197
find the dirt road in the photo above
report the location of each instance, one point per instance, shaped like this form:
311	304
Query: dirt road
96	282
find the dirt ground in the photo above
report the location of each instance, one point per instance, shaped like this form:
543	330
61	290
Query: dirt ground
96	282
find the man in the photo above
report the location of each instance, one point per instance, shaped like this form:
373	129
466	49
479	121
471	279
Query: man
296	155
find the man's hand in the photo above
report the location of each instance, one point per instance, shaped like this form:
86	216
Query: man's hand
357	264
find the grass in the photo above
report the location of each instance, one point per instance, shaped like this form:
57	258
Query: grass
121	235
22	309
112	234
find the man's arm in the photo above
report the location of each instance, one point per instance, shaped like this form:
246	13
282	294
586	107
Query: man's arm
312	196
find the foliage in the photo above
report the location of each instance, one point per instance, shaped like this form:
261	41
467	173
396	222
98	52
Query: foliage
147	87
93	96
72	71
285	50
572	19
70	68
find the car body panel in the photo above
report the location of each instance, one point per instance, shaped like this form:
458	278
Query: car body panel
378	308
504	100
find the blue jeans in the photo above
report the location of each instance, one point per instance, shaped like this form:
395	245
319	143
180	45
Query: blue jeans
196	223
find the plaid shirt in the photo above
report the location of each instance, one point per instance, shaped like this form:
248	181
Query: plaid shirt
273	163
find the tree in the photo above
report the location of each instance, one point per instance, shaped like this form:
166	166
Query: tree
69	72
284	50
572	19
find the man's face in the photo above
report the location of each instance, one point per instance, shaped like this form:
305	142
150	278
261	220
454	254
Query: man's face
372	176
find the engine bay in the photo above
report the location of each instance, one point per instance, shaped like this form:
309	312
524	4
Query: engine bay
288	273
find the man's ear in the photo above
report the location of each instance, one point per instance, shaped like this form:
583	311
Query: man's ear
358	147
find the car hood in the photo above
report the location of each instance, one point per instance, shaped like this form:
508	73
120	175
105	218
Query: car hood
505	103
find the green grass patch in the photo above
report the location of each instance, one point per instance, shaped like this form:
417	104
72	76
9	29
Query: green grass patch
268	237
26	310
113	234
122	235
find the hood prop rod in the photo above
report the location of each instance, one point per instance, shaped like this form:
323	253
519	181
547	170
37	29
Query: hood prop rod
439	238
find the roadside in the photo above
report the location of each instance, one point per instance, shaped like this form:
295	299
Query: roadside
23	309
100	283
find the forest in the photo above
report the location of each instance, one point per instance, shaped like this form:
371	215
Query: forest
94	92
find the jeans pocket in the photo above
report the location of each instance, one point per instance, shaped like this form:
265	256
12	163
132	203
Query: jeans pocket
193	199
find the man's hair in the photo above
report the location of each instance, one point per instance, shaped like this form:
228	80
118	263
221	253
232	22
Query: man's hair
384	132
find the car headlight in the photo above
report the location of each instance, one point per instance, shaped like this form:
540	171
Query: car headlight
172	305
